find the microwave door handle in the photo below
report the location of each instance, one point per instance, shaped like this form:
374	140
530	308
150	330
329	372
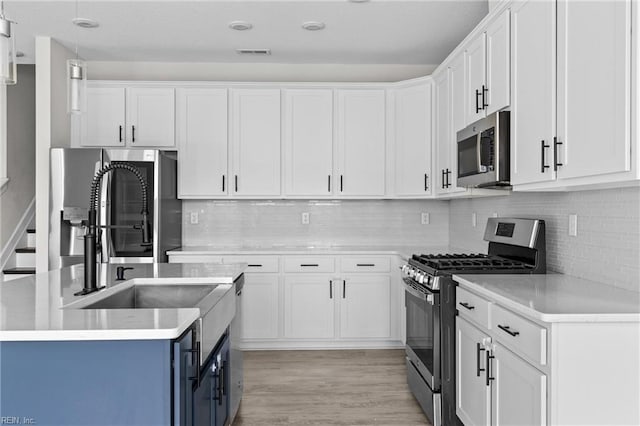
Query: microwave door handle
479	152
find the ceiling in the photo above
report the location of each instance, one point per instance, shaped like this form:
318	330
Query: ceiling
374	32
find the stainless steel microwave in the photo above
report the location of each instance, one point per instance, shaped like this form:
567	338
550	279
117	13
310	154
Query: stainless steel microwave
483	153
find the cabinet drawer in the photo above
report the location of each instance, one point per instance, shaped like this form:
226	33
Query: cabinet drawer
256	263
472	306
194	258
520	335
309	264
365	264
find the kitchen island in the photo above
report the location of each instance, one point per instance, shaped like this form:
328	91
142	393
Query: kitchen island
62	362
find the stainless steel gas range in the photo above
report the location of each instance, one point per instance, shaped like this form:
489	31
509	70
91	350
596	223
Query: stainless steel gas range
516	246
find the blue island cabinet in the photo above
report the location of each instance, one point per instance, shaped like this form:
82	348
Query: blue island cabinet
211	398
106	382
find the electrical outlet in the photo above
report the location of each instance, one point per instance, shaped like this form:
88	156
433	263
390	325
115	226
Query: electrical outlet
305	218
573	225
193	218
474	219
424	218
494	214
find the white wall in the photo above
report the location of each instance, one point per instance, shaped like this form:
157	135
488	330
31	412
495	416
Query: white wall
606	249
20	155
52	130
171	71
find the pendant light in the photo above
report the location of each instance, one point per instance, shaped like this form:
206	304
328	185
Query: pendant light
8	71
76	79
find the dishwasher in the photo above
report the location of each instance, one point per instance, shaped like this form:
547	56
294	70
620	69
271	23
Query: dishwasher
236	382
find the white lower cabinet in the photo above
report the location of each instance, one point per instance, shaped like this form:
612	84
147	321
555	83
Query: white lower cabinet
315	301
260	306
495	385
309	307
518	391
473	396
364	307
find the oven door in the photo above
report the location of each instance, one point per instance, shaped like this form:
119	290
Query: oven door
423	331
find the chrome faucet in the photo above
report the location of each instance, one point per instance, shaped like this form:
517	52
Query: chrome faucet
90	246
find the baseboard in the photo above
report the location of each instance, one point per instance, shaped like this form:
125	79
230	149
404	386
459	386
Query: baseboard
292	345
21	228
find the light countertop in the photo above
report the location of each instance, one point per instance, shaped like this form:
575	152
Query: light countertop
557	297
36	307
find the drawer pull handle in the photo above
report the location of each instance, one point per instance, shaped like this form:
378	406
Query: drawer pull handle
507	330
309	264
466	305
365	264
254	265
479	349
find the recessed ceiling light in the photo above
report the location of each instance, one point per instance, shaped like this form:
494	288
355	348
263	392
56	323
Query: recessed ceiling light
313	25
85	23
240	25
19	54
253	51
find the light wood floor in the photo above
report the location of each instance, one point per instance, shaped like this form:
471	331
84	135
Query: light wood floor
355	387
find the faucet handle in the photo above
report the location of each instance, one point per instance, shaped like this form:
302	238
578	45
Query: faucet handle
120	273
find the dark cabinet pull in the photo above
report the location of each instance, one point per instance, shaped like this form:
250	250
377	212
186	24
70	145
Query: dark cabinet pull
426	182
477	104
488	368
254	265
365	264
330	289
442	181
542	148
133	134
120	132
329	183
446	175
479	349
556	164
195	360
223	381
466	305
507	330
236	182
222	183
484	92
344	289
340	183
309	264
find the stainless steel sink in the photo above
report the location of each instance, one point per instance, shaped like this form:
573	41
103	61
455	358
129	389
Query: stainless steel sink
154	296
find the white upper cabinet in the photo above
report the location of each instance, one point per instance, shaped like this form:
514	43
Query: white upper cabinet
487	64
573	131
498	74
444	143
475	76
361	142
202	142
131	117
308	142
255	138
458	98
104	123
533	88
151	117
594	88
412	132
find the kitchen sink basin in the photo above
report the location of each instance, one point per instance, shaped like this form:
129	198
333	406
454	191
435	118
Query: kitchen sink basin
154	296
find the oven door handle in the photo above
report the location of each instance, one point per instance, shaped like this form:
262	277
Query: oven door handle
425	297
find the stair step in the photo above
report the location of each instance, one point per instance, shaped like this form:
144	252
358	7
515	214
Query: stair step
31	231
26	250
19	270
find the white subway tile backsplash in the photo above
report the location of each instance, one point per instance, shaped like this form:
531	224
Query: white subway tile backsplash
607	247
263	223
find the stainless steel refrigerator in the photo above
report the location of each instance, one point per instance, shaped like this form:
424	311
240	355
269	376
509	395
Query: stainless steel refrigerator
120	239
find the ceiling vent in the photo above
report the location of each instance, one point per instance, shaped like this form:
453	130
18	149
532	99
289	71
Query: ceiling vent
253	51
